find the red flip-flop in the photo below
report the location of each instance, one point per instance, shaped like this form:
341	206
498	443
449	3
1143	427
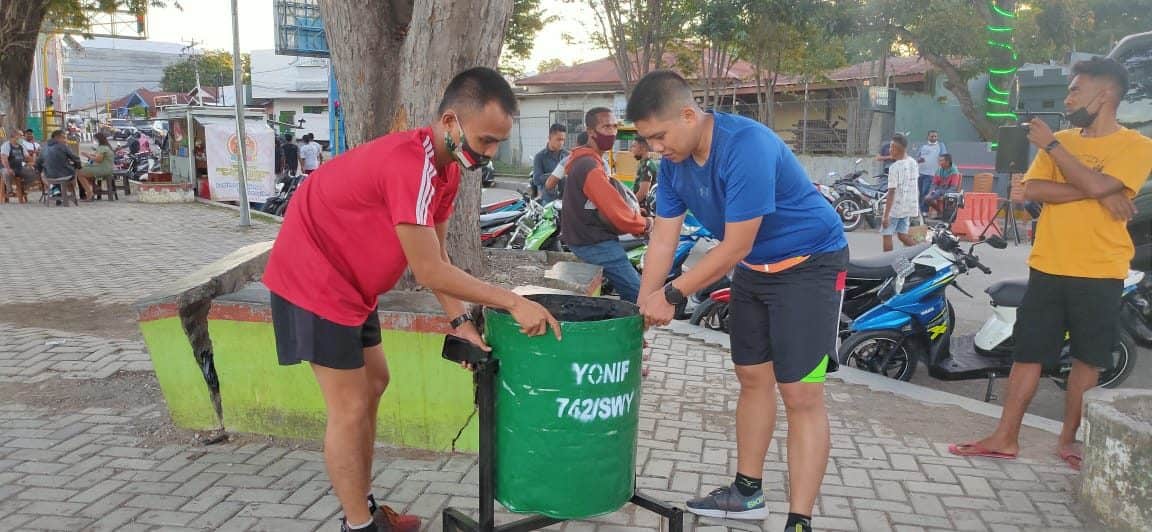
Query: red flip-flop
975	449
1069	456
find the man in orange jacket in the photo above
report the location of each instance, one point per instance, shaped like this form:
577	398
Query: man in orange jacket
598	209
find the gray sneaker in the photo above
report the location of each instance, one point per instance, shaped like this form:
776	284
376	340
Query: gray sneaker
728	503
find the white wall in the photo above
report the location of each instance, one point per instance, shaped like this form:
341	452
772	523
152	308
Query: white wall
531	131
316	124
282	76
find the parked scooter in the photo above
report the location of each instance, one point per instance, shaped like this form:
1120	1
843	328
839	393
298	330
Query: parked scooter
857	199
915	322
538	229
285	187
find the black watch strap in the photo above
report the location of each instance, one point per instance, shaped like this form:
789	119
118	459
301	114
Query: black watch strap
460	320
1051	145
673	295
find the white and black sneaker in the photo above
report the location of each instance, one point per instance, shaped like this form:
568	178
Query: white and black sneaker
728	503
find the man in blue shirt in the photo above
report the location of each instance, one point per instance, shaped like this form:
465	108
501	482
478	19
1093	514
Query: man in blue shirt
788	249
546	161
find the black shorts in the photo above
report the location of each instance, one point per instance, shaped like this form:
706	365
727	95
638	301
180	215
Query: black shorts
1086	311
790	318
302	336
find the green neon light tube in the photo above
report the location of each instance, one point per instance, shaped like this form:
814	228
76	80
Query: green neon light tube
1002	71
1000	29
996	90
1002	115
996	7
994	100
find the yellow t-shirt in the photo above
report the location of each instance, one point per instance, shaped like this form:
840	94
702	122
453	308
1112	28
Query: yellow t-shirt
1080	238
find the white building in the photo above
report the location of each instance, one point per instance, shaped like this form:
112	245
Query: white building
101	70
297	88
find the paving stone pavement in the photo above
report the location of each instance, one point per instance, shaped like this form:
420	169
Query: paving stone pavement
71	466
114	251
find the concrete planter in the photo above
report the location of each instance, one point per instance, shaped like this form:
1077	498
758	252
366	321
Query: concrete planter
162	192
211	341
1116	476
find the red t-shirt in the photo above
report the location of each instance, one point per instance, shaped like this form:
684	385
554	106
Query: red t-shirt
337	250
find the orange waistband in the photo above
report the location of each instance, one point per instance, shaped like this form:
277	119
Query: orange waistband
776	267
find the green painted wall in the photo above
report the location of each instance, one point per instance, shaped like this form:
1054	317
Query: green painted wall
184	389
427	401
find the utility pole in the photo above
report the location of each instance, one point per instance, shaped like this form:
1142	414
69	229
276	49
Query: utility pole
238	81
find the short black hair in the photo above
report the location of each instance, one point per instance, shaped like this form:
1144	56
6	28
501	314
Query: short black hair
947	157
899	139
931	131
642	141
590	120
29	131
288	137
476	87
557	128
1107	68
582	138
655	93
57	133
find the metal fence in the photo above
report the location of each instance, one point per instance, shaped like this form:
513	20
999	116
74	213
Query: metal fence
818	125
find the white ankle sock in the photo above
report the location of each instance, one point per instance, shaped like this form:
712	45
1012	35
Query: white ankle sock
360	526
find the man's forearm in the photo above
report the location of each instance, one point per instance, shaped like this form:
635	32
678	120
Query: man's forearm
715	264
1092	183
450	281
1052	192
657	263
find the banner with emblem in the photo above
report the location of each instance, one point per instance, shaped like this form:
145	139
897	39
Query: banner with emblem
223	157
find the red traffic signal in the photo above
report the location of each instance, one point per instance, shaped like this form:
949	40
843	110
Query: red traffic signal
48	92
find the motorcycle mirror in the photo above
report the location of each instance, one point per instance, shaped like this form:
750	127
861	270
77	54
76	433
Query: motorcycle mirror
996	242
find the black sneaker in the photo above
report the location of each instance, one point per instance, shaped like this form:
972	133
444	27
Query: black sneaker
728	503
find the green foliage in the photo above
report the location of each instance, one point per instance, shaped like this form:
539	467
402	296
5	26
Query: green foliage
215	71
527	20
550	65
75	14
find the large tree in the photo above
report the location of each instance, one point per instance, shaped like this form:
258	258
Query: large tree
392	60
214	66
21	22
638	32
957	44
527	20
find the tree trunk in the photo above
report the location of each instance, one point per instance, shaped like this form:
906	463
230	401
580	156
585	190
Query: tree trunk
380	92
19	26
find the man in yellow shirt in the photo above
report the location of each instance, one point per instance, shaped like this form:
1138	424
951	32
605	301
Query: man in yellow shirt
1086	177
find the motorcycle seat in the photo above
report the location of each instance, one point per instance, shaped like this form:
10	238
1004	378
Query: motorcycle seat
880	266
497	218
1008	293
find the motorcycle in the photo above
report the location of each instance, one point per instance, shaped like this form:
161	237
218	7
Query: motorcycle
538	228
691	232
916	322
285	187
858	200
864	279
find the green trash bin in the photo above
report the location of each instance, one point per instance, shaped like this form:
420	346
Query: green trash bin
566	412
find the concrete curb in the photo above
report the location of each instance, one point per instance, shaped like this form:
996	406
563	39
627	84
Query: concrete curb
882	384
255	213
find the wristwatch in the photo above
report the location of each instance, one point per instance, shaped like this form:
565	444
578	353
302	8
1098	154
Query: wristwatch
460	320
673	295
1051	145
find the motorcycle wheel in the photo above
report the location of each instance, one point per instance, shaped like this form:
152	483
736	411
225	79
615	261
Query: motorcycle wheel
712	315
863	350
1123	362
851	222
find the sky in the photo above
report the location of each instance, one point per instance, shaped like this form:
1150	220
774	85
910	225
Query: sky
210	22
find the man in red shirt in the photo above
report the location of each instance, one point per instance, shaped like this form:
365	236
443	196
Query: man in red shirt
350	231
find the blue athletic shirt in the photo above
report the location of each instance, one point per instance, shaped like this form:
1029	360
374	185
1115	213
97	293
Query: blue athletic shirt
750	172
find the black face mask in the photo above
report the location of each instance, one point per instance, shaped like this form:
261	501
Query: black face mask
1081	118
637	157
